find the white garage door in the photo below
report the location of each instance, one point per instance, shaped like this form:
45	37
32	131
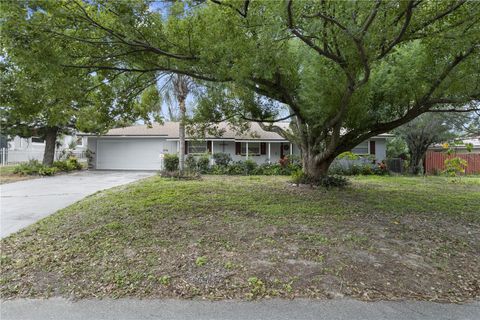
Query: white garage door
129	154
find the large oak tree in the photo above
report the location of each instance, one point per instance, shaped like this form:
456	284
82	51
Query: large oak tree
342	71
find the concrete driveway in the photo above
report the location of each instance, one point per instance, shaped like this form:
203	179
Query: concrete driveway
25	202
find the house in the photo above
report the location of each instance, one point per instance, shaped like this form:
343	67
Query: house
467	149
142	148
463	146
23	149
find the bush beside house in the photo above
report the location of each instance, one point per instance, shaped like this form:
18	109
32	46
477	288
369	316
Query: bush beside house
35	167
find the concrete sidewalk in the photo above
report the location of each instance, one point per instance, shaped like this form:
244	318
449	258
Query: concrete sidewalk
126	309
25	202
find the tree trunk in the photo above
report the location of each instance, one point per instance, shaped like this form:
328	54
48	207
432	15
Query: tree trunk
315	168
50	141
181	133
416	157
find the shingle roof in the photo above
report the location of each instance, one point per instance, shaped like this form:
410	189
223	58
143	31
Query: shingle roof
170	130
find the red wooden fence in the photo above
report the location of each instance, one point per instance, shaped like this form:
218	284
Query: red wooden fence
435	162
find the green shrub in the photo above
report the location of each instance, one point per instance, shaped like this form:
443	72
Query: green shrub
249	166
47	171
455	166
216	169
67	165
236	168
330	181
34	167
170	162
222	159
348	155
191	163
203	163
366	170
381	169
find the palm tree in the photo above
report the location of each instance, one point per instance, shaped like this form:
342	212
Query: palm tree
177	87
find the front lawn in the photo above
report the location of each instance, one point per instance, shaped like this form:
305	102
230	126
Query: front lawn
250	237
7	175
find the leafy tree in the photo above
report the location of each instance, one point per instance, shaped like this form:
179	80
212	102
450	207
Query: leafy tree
397	148
344	71
421	133
39	96
430	128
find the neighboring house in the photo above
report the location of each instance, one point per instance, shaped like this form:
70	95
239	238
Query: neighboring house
24	149
141	148
461	147
436	156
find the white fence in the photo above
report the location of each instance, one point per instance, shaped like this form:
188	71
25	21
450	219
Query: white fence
18	156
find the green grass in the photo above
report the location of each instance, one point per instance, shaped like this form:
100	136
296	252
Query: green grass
7	175
381	238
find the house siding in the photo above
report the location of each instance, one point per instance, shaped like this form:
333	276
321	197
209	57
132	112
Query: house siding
166	146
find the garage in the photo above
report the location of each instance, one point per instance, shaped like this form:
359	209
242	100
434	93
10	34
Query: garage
129	153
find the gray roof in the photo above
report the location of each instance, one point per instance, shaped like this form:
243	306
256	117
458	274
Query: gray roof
170	130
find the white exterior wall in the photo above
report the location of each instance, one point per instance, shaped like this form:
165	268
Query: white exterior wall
23	149
136	155
380	149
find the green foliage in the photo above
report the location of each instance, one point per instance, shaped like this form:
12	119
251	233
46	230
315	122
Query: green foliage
222	159
67	165
257	288
397	148
355	67
249	166
348	155
164	280
34	167
203	163
170	162
455	166
191	163
330	181
359	169
201	261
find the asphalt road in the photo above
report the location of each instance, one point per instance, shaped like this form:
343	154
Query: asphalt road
25	202
127	309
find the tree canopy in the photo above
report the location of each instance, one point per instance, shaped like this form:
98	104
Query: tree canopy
39	96
341	71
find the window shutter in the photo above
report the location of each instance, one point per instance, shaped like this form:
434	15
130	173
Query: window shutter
209	146
238	148
263	148
372	147
186	147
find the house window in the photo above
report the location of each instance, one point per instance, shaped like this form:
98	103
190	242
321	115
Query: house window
38	140
362	148
253	148
197	147
79	142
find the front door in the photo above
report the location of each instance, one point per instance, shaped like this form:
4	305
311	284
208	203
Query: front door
284	149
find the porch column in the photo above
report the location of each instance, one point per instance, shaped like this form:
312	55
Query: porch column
269	158
291	149
246	149
211	159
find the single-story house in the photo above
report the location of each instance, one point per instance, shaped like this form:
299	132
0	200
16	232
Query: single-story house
141	147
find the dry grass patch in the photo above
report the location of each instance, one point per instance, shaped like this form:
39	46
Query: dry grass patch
252	237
